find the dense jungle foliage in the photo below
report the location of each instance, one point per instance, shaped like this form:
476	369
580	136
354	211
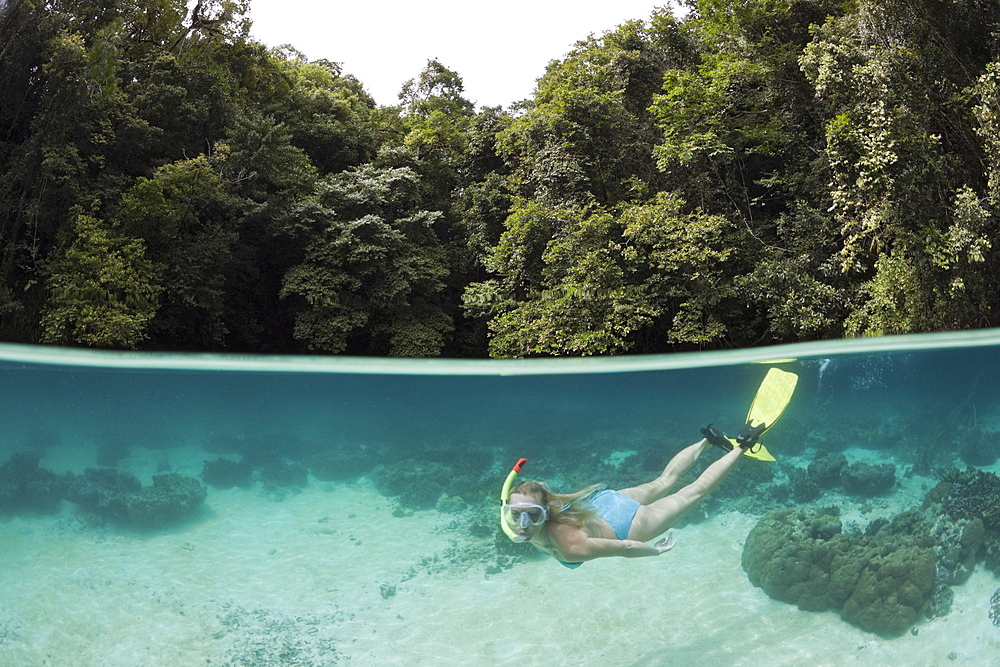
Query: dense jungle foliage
759	171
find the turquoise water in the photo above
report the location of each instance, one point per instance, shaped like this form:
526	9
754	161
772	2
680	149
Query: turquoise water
164	401
509	409
915	402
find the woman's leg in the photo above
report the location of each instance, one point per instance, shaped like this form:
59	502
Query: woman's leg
680	464
654	519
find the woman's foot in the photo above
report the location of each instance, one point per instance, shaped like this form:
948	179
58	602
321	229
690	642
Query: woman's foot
748	436
717	438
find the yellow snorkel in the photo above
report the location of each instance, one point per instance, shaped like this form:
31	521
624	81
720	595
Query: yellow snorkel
505	498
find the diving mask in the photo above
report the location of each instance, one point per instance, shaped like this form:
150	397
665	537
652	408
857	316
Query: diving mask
524	515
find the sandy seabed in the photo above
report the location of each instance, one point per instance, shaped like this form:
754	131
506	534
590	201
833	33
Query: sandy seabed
329	576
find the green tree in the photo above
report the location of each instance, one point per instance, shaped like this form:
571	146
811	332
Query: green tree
436	114
327	113
188	219
893	81
741	139
103	289
485	198
80	118
586	135
372	278
578	171
584	281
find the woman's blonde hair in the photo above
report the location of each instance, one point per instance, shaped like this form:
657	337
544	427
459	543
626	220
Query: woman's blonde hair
571	508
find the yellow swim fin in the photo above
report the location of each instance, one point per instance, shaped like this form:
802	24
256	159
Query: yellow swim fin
772	397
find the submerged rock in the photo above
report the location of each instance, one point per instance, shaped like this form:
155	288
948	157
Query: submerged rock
892	590
803	488
120	496
171	498
980	450
866	480
416	483
825	469
104	491
882	582
971	495
26	487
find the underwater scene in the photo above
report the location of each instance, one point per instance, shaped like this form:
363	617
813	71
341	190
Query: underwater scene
254	511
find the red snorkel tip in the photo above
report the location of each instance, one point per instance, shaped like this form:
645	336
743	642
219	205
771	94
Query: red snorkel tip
517	466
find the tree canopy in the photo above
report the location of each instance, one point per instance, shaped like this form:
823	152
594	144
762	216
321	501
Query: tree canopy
755	172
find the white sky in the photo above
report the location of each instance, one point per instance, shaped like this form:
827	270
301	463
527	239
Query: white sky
499	48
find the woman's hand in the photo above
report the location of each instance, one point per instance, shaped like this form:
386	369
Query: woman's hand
665	545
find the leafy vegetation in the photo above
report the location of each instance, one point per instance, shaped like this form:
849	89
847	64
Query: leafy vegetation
756	172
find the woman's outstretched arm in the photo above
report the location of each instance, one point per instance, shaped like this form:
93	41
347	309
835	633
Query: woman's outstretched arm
576	546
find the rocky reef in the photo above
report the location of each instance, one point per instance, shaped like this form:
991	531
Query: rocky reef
444	478
830	470
120	497
866	480
980	448
416	484
25	487
102	492
882	583
825	469
897	571
171	498
971	495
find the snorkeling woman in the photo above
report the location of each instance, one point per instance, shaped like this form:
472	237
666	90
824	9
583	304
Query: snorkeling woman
599	523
